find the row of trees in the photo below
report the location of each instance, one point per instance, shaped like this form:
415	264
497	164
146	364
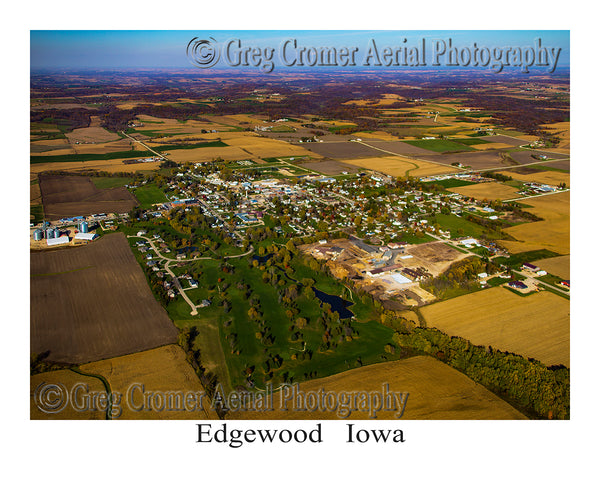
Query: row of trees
526	383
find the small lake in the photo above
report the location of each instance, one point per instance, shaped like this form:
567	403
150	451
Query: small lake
262	259
338	304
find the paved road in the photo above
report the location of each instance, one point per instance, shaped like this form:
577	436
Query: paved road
145	146
172	274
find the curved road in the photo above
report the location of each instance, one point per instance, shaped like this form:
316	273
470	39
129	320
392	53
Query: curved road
175	279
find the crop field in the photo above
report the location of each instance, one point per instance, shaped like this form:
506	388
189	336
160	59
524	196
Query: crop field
115	165
68	379
91	135
552	233
401	148
436	391
121	145
535	326
490	146
163	369
439	145
331	167
377	135
548	177
339	150
487	190
93	302
399	167
68	196
559	266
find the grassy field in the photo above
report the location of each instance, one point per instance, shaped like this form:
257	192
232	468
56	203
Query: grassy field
110	182
148	195
535	326
460	227
439	145
436	391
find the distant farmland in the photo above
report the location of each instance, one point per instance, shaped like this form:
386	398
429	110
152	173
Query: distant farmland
69	196
93	302
436	392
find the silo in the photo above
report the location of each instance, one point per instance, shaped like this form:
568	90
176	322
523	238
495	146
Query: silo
83	227
38	234
50	233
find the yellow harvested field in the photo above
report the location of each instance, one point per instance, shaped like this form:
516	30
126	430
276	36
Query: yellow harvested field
113	166
399	167
91	134
61	151
490	146
535	326
164	369
552	233
122	145
376	135
487	190
562	130
559	266
546	177
65	380
436	392
206	154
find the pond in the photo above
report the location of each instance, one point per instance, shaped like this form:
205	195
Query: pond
338	304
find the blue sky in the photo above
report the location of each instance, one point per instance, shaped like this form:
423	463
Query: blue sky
164	49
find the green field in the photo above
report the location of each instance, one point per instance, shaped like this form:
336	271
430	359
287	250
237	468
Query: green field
468	229
439	145
148	195
110	182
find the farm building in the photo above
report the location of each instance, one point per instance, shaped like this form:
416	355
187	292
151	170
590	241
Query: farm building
52	242
517	284
530	267
86	236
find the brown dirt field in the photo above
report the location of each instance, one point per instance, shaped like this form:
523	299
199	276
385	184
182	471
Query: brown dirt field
163	369
93	302
436	392
487	190
339	150
559	266
398	147
91	134
548	177
68	379
552	233
535	326
399	167
35	196
330	167
67	196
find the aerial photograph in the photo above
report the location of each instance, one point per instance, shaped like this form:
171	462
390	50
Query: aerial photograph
344	225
